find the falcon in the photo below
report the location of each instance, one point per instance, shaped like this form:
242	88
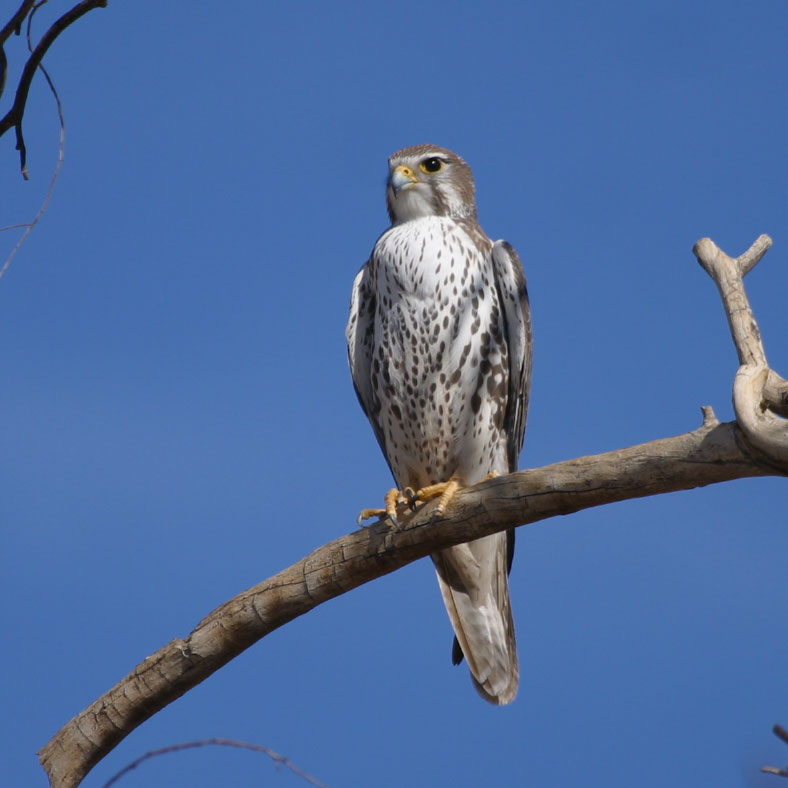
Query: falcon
439	344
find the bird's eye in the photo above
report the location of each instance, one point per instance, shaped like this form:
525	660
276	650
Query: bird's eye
433	164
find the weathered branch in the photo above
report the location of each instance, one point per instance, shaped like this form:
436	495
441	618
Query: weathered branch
711	454
759	395
13	118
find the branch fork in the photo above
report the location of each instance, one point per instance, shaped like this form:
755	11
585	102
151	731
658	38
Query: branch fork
760	395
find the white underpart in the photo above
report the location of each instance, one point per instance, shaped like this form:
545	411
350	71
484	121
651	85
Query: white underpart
412	202
414	260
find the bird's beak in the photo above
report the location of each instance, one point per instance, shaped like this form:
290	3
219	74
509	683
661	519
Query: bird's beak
402	178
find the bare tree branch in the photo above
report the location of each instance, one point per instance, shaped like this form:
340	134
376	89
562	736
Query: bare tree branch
711	454
759	395
13	118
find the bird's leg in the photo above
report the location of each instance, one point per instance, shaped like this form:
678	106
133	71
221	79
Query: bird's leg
393	497
451	488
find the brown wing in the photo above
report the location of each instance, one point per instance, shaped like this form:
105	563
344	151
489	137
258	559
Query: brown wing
513	295
360	335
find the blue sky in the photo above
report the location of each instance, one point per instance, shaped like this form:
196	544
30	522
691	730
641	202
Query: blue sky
178	420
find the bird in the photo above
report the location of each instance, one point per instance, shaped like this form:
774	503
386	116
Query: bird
440	346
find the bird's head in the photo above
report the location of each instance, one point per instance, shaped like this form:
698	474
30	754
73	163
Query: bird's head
426	180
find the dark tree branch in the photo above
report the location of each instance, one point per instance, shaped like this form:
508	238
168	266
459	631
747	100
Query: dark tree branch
14	26
61	152
14	117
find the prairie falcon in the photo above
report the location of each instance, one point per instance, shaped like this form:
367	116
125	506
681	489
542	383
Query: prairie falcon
439	343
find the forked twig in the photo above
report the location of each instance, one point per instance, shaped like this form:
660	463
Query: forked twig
760	395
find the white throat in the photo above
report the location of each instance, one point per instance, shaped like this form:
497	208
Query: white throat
411	203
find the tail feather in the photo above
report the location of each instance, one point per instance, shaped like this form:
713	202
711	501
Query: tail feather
474	581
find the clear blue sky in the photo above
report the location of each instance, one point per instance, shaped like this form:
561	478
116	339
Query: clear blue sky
178	421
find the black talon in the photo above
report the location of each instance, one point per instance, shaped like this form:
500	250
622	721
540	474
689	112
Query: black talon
412	498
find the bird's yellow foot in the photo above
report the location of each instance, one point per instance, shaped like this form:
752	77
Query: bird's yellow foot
393	497
406	497
446	491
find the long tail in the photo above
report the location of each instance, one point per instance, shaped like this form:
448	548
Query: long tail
474	581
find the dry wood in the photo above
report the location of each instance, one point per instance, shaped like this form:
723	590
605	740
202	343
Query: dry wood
759	395
712	453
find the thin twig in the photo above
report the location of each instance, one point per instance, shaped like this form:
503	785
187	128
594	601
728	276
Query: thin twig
60	158
780	733
280	760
